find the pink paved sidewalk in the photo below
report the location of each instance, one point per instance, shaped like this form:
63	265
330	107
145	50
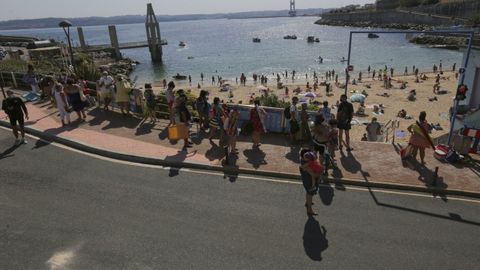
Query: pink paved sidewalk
374	162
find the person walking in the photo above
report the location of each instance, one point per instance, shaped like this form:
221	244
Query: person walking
320	136
231	128
420	138
170	96
307	182
151	103
257	116
344	118
123	95
106	83
74	99
62	104
202	107
304	128
294	119
216	122
184	114
16	111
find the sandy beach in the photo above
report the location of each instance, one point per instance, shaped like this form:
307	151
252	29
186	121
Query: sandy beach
437	111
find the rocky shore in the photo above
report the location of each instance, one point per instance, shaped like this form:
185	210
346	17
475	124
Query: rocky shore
104	60
447	42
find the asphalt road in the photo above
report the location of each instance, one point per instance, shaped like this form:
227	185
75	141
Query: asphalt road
65	210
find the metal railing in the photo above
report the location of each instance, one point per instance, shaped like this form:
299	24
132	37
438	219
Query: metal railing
389	130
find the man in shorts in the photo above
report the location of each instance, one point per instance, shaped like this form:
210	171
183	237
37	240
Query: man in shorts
106	84
344	118
294	119
16	111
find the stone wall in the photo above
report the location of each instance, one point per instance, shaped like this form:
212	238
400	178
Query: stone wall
384	17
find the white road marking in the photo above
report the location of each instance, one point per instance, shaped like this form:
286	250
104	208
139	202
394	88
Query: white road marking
246	177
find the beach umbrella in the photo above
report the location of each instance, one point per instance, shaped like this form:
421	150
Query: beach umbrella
357	98
310	95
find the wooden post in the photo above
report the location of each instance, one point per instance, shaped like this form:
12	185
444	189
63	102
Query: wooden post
112	30
81	37
153	34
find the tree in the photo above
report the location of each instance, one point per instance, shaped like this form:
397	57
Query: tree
409	3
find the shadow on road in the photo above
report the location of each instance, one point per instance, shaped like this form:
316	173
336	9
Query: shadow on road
314	239
8	152
326	194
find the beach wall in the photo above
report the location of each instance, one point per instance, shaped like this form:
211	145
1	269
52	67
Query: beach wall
385	17
472	80
463	9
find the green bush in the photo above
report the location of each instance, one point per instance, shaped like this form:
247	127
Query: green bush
88	71
272	100
409	3
430	2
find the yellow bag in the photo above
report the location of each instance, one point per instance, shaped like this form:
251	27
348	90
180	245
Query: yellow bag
178	132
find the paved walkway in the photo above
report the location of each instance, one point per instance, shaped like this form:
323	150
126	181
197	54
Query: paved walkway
369	162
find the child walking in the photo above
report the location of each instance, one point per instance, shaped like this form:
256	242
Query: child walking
312	167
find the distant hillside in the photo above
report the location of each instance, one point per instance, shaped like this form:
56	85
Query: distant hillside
128	19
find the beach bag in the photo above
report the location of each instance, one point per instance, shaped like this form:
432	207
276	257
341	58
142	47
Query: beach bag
440	152
177	132
452	156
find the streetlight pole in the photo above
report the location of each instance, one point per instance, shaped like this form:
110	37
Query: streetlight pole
66	28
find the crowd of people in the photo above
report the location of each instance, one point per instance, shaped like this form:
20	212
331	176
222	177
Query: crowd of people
322	133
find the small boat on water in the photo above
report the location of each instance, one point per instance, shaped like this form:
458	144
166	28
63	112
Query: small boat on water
317	40
182	44
179	77
310	39
373	35
290	37
256	40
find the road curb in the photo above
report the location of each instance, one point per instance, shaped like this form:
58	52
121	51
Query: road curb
232	170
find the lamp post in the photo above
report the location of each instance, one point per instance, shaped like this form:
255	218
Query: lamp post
66	28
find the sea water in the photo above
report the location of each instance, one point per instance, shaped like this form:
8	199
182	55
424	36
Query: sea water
225	48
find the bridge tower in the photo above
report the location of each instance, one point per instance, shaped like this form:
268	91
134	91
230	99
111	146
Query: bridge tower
153	34
293	11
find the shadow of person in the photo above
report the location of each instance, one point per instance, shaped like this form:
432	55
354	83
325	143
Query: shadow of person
255	156
231	168
7	152
293	155
350	163
177	159
314	239
144	129
215	152
326	194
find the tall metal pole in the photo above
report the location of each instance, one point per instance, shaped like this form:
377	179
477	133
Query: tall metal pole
462	80
70	47
348	62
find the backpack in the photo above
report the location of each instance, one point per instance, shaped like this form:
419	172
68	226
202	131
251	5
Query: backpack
287	113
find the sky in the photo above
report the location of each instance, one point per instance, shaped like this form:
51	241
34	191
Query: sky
30	9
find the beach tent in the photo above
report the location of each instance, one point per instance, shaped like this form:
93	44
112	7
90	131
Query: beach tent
357	98
310	95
